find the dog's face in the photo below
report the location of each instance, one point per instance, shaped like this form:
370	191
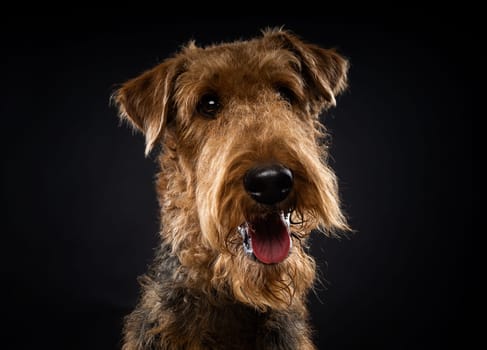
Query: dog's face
243	120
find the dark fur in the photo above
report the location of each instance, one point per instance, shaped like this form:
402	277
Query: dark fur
227	325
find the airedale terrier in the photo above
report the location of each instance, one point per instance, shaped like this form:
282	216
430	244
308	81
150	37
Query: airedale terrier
243	180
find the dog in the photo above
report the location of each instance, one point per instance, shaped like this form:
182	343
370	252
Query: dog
244	179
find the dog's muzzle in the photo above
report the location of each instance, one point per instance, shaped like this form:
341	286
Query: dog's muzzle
267	236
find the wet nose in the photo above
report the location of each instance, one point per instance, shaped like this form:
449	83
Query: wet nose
268	184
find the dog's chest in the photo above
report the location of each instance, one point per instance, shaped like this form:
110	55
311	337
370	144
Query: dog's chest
233	327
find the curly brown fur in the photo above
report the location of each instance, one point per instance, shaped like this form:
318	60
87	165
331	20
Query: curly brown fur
203	290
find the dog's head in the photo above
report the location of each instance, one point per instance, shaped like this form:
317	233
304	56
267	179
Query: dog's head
240	120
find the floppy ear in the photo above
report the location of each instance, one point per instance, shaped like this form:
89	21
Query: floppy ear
145	101
324	70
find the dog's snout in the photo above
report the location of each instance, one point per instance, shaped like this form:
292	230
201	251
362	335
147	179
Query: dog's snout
268	184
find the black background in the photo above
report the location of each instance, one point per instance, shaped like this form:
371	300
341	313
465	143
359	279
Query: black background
80	210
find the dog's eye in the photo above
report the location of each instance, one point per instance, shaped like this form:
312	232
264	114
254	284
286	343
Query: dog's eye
286	94
209	105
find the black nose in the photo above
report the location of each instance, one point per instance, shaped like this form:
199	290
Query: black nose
268	184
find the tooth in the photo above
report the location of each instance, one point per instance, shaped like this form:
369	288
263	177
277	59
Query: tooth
247	242
242	230
286	218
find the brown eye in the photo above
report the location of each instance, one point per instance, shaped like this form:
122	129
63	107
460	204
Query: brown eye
209	105
286	94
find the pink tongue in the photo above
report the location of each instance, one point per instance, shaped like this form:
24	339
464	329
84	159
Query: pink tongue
270	239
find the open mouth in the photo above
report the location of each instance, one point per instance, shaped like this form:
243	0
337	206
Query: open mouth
268	237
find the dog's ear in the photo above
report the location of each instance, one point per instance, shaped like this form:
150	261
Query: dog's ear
145	101
324	70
